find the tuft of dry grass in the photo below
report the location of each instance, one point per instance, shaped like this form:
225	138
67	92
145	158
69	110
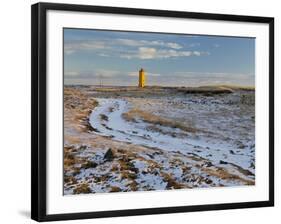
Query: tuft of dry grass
68	158
69	180
128	175
232	87
135	114
207	90
171	182
82	189
223	174
133	185
115	189
229	87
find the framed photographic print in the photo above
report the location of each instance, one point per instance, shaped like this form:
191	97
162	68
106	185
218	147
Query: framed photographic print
139	111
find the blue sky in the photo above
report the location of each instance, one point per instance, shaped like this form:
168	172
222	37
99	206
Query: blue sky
114	58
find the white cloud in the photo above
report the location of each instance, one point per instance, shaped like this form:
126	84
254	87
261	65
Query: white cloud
196	53
147	53
174	45
153	53
72	47
114	45
130	48
143	43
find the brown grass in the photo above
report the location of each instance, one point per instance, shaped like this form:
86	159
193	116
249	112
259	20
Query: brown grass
133	185
68	158
77	108
232	87
171	182
69	180
115	189
132	116
82	189
128	175
223	174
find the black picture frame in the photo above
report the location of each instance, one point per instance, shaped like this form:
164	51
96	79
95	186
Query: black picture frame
39	107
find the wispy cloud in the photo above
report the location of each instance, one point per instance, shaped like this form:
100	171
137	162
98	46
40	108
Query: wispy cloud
139	43
154	53
169	59
131	48
73	46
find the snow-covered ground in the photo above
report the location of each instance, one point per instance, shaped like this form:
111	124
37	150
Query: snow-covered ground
107	120
120	139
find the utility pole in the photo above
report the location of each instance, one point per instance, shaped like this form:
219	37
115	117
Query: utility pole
100	76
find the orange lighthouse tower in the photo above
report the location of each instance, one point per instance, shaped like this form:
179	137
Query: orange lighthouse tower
141	78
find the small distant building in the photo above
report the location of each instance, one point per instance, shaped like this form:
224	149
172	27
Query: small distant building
141	78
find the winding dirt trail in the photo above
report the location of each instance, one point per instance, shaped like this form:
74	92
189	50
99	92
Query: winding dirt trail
107	120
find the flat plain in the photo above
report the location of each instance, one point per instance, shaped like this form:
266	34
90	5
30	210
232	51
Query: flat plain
119	139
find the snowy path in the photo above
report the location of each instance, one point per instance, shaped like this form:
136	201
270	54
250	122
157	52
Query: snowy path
107	120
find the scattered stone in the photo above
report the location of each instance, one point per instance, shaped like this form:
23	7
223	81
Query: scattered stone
92	129
104	117
150	156
157	153
208	164
97	179
134	169
208	181
108	156
223	162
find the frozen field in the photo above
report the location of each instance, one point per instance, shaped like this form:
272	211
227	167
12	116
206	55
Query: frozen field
157	139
